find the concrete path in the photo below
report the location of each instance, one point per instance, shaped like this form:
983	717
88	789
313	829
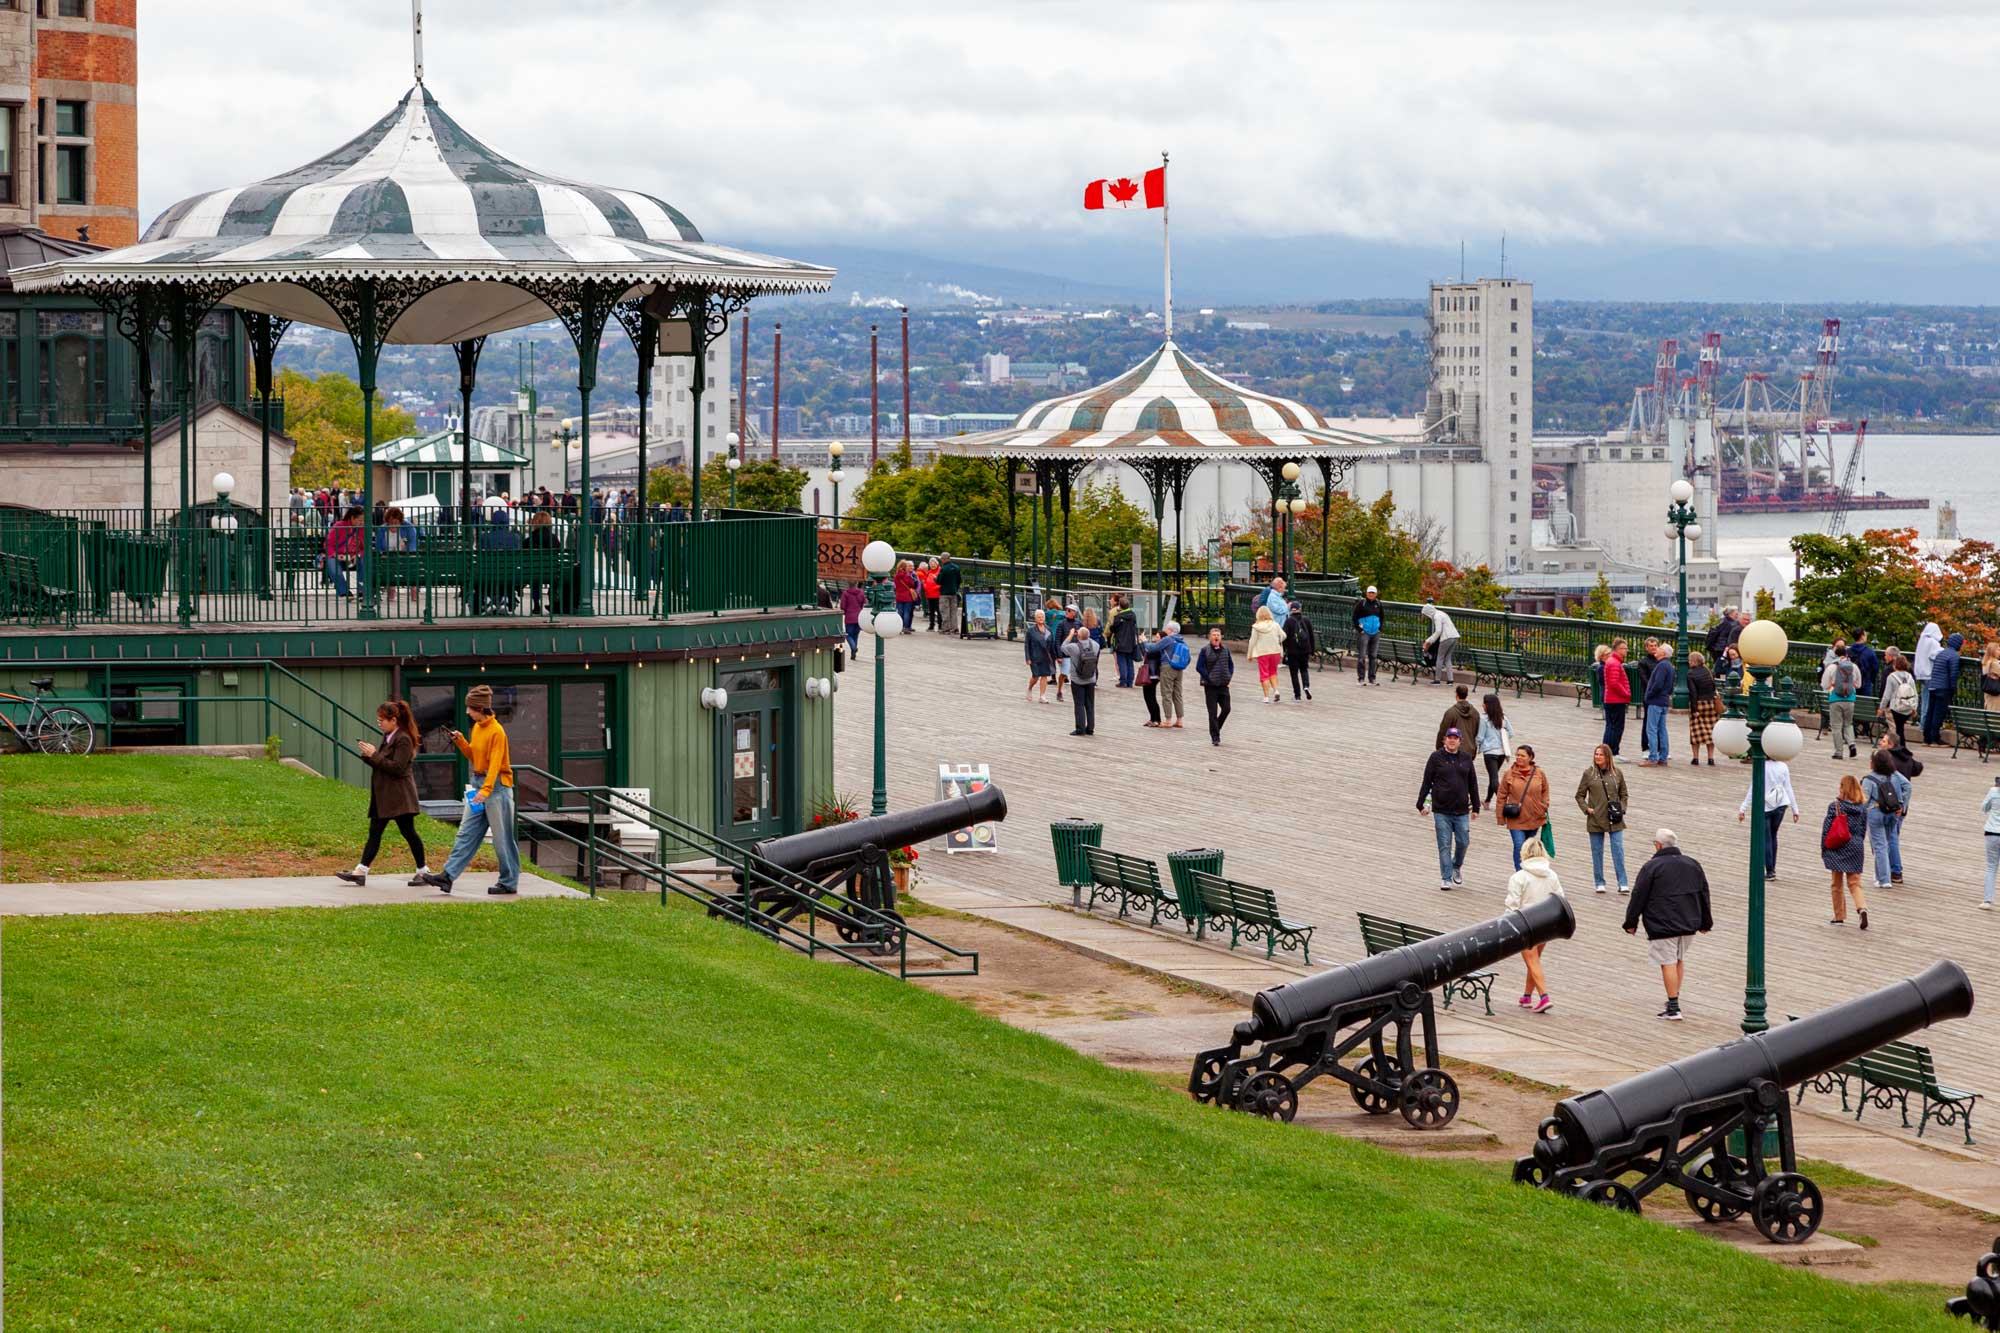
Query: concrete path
210	895
1509	1041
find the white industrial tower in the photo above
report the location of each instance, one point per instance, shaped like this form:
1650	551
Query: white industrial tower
1482	392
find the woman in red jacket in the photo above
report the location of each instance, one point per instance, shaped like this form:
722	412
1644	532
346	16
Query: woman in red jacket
906	593
928	577
1617	691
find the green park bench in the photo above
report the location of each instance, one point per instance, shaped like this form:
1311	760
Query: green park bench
1380	934
1502	668
296	553
1133	881
1886	1076
1976	727
23	595
1867	712
1252	914
1398	654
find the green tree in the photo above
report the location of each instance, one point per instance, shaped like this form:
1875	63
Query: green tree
1365	541
1766	604
323	417
1103	525
760	484
1653	618
1873	581
953	504
1597	605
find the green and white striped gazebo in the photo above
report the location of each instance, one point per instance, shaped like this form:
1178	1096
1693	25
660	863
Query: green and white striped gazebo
431	465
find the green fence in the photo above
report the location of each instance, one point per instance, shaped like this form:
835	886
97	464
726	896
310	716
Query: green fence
237	565
1553	646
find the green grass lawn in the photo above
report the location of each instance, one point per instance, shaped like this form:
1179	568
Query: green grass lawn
172	817
560	1114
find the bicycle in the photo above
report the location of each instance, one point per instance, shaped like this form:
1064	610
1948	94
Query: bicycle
50	730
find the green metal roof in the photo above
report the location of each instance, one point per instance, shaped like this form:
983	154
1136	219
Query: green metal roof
440	447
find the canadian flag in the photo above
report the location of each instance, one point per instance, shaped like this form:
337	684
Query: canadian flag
1149	191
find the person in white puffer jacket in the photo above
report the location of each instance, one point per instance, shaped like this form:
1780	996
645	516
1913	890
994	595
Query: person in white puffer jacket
1534	881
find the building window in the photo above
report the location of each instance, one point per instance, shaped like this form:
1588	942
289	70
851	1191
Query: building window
69	173
1513	349
1513	474
1513	437
1514	326
10	368
1514	398
8	120
73	9
1514	371
72	364
1513	303
1513	497
1513	418
70	119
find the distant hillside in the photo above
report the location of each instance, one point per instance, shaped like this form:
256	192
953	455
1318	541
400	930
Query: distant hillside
889	277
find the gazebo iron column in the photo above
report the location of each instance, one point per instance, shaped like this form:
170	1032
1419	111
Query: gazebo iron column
707	313
584	306
1066	470
1332	472
1013	537
1045	486
186	304
644	331
265	332
467	351
1179	483
135	312
368	308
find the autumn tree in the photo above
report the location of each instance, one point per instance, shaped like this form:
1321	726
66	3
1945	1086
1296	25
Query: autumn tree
1448	585
323	417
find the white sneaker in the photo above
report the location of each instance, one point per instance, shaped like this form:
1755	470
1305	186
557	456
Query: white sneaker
1986	907
1624	888
1602	889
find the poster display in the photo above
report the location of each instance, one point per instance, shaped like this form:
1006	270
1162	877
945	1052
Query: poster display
964	780
981	614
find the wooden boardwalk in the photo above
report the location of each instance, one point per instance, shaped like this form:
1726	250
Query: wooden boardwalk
1317	802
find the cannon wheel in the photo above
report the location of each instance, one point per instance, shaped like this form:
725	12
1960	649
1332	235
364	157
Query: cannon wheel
1718	1169
1388	1069
1609	1194
1430	1099
1207	1078
1529	1171
1787	1208
1269	1094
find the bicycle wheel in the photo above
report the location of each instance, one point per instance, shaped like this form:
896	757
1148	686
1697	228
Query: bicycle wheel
65	731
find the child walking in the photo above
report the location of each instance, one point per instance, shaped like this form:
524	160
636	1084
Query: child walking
392	791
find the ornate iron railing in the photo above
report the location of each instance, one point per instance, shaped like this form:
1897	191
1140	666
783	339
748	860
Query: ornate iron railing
236	565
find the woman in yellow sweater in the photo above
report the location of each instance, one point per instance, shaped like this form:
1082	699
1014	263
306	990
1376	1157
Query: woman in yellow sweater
489	800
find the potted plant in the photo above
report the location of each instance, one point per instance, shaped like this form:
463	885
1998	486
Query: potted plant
903	864
838	808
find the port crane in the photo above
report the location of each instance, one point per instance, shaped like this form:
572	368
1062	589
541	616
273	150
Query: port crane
1836	521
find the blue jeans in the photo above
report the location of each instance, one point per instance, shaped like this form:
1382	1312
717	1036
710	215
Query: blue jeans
1128	666
1520	837
1773	821
1617	840
1656	733
1935	704
498	815
853	641
1454	836
908	611
336	574
1885	836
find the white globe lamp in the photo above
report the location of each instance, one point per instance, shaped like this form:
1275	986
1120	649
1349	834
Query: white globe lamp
1298	505
1784	741
1681	492
1290	471
1763	643
836	448
1694	531
733	463
224	483
878	557
866	620
1732	737
888	626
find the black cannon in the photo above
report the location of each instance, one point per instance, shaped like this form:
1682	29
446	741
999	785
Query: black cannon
850	864
1674	1125
1304	1025
1981	1302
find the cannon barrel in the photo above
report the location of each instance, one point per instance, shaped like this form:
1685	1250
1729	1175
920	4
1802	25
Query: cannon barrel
901	828
1785	1055
1280	1010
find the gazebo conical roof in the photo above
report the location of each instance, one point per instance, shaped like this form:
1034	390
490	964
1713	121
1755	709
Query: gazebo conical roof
416	196
1169	406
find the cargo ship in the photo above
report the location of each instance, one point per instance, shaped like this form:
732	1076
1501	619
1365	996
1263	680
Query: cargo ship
1819	500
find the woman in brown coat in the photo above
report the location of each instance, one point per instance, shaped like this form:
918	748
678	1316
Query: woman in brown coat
1523	806
392	792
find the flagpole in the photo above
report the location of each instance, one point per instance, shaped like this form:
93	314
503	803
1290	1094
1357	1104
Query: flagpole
1167	248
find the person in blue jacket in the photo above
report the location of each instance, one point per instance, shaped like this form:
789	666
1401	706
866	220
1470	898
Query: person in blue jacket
1943	685
1367	636
1659	703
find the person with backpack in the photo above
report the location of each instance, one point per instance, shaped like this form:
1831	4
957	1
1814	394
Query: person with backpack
1125	640
1367	636
1215	668
1841	849
1082	652
1888	795
1779	798
1900	697
1174	660
1842	682
1300	644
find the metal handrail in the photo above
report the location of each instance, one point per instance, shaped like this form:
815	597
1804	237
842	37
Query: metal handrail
806	893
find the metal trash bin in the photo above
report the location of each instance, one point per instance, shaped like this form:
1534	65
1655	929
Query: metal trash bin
1070	837
1183	865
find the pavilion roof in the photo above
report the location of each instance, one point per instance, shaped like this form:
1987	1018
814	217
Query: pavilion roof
1170	406
441	447
416	196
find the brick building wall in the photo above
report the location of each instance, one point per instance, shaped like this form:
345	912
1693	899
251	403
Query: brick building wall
48	60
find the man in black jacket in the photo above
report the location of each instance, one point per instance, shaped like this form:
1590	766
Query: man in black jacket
1722	633
1671	897
950	579
1300	644
1367	636
1452	787
1215	668
1125	640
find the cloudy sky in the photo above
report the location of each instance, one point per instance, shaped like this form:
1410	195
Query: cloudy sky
1595	128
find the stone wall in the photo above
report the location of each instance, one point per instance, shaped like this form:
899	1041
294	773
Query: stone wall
108	479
